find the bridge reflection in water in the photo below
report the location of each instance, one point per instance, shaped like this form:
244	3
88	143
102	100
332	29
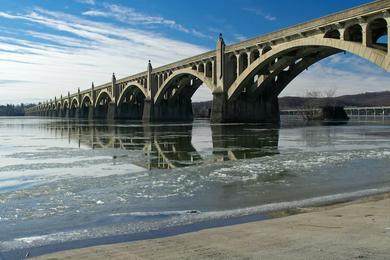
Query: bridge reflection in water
170	146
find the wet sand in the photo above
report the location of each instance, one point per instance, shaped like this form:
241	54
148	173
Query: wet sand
356	230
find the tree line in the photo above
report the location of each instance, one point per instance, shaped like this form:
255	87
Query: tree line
14	110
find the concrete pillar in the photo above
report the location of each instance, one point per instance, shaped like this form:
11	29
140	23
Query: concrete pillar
93	94
366	34
114	87
388	34
91	112
220	65
218	107
78	98
238	65
147	115
148	109
213	74
342	31
111	111
219	93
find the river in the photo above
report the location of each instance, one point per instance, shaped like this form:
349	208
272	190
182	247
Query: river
64	180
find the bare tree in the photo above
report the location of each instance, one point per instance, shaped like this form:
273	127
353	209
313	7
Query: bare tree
317	99
329	96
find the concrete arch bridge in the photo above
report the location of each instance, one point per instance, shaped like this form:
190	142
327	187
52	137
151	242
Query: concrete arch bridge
244	78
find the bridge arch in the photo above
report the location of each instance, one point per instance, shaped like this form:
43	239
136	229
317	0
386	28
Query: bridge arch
85	105
74	107
377	29
102	104
333	34
130	88
294	57
131	101
176	76
354	33
65	108
103	98
173	100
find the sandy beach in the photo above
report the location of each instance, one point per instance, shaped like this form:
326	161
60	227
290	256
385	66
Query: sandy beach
355	230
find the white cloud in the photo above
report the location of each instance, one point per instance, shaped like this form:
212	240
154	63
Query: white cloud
239	37
88	2
91	51
131	16
260	12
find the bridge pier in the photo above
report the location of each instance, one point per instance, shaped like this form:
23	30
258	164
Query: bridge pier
90	113
111	111
178	109
74	113
253	110
130	111
147	114
245	109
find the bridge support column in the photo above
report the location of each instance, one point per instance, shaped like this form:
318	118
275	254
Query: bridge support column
218	109
147	115
245	109
178	109
75	113
91	113
111	111
131	111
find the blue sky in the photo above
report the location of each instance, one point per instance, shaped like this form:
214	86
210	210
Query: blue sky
49	47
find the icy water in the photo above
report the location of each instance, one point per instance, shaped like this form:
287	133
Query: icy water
65	180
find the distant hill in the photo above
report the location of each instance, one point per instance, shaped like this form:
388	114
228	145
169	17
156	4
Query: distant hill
369	99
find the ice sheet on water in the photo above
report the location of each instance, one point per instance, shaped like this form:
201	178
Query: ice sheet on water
296	163
175	219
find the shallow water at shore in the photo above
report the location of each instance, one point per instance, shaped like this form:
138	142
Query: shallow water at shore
64	180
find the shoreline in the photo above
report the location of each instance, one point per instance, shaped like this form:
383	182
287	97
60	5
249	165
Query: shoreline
166	233
346	230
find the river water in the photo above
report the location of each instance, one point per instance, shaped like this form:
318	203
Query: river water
71	180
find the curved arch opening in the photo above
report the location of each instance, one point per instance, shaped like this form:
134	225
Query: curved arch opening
102	104
354	33
377	34
266	49
57	109
65	109
231	69
209	69
86	107
201	68
184	98
131	104
243	61
255	54
73	108
333	34
328	78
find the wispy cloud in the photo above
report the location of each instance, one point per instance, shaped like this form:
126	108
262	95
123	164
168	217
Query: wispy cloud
76	52
259	12
239	37
10	81
88	2
131	16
